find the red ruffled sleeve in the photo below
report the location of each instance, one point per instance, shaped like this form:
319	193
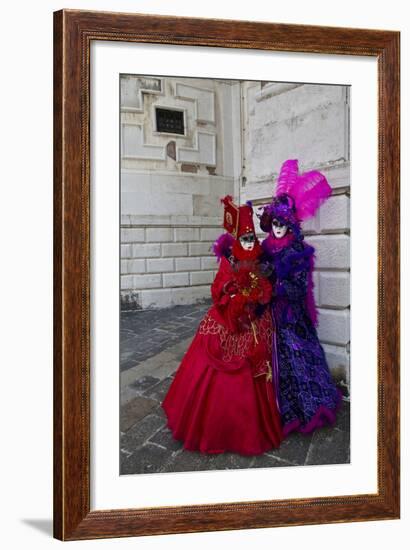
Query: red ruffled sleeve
221	282
222	291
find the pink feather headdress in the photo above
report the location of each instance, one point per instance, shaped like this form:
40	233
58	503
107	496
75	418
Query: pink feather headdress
297	197
309	190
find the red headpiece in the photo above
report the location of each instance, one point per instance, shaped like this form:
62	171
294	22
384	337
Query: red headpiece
238	220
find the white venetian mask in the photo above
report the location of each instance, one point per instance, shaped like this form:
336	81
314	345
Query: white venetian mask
278	229
247	241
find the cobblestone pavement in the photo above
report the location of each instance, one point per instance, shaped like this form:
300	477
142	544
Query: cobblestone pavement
145	333
152	346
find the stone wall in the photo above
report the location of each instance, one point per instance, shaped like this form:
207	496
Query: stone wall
171	187
168	263
310	123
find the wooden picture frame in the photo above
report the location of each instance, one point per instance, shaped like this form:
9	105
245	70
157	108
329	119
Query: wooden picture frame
73	33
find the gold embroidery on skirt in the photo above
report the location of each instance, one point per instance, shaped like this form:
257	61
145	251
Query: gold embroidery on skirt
242	343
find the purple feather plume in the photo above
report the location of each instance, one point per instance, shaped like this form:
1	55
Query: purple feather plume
223	245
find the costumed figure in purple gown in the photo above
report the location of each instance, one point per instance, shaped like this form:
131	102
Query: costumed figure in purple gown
307	396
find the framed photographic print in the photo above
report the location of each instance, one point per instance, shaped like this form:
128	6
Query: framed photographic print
226	274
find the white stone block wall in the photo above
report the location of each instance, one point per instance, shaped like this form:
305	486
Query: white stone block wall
177	270
171	187
310	123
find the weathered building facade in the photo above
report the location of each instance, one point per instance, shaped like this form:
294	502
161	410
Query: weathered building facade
310	123
172	178
187	142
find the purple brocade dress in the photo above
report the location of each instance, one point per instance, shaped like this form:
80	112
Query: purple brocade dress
308	397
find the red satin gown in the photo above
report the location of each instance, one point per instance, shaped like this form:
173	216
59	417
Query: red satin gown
222	399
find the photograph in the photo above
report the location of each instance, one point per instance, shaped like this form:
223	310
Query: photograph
205	252
234	274
226	351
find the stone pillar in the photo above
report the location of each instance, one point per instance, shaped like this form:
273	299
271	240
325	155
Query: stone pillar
310	123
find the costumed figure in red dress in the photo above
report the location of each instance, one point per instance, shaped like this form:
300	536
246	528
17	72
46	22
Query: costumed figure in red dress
222	397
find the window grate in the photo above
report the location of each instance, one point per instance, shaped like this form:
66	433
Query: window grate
170	121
